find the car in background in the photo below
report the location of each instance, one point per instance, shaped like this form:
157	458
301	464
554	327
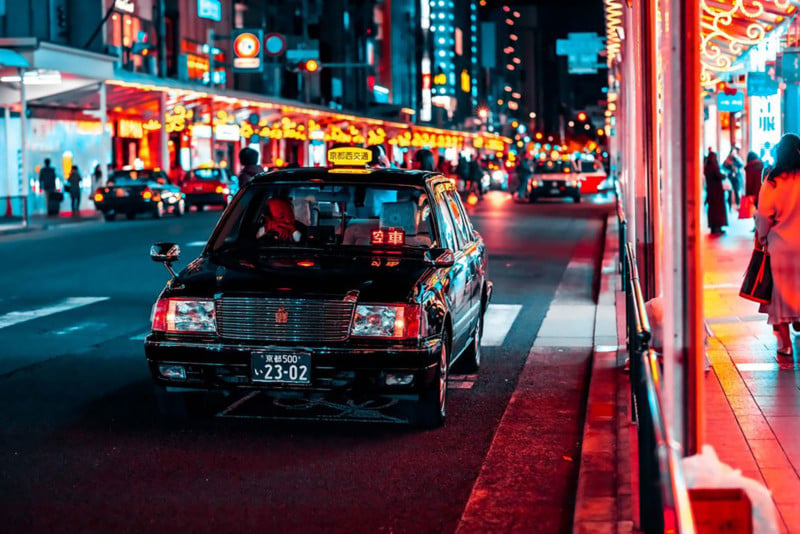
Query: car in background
593	177
209	186
497	177
338	283
131	192
553	177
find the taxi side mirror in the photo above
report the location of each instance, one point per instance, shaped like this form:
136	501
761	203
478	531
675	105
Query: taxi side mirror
165	253
441	257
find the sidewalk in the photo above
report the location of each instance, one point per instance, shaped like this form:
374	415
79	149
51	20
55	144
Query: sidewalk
752	406
13	225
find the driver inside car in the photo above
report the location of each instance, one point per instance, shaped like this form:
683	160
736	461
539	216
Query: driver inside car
279	222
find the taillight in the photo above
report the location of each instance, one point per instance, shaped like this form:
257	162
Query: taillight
223	190
400	321
147	194
179	315
98	197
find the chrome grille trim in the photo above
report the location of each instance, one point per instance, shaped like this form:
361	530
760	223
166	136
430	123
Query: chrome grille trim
309	320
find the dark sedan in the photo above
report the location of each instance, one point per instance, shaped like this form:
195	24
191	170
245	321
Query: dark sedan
367	283
131	192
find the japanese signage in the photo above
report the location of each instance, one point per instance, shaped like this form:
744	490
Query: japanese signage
730	102
761	84
790	66
209	9
581	50
247	50
126	6
765	124
349	155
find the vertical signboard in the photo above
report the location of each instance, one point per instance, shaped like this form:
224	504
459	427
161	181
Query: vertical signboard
209	9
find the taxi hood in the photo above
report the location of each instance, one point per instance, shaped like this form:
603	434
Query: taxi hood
378	277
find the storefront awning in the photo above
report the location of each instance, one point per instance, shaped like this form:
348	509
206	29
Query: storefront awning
50	69
731	27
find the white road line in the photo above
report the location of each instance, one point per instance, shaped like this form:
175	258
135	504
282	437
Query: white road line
196	244
497	323
16	317
140	337
460	385
758	366
77	327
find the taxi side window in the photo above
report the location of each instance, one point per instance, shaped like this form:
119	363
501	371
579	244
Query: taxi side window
447	230
463	227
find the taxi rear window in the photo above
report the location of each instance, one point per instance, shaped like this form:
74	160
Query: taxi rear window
310	214
207	174
120	178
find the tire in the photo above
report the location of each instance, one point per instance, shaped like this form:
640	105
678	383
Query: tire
177	405
532	199
130	215
159	210
109	216
577	199
180	208
431	409
471	359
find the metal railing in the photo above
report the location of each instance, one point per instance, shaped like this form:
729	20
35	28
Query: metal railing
663	498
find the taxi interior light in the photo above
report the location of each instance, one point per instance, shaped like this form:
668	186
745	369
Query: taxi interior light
391	237
396	321
179	315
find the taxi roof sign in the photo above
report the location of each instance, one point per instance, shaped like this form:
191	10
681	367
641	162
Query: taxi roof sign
350	156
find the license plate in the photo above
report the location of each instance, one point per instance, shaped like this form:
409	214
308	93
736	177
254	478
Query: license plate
198	188
121	193
281	368
554	191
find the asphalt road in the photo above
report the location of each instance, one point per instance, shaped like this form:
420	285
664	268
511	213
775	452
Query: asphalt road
82	447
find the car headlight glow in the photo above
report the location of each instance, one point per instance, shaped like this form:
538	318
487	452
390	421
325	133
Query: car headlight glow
179	315
392	321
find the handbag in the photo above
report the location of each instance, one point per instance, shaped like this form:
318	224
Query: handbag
757	284
747	207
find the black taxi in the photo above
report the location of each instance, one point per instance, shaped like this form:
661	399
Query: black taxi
346	281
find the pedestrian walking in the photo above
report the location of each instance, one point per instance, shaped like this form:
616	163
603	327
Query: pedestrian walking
475	175
248	159
74	181
733	167
715	195
753	174
47	182
778	232
524	172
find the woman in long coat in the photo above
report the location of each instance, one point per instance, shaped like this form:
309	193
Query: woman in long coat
752	176
715	195
778	230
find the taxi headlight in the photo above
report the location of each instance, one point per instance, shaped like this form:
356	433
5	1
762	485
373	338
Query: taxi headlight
184	315
393	321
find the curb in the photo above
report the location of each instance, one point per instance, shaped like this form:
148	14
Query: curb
46	226
598	500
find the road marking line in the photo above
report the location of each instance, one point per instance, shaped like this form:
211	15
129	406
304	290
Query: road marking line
460	385
763	366
77	327
497	323
16	317
196	244
140	337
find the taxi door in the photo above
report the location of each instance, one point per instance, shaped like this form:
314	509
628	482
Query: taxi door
458	288
472	256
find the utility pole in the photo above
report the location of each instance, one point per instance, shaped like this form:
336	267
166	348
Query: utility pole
161	36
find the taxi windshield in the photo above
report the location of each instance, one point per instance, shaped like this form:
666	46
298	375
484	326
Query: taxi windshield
552	167
131	177
206	174
314	214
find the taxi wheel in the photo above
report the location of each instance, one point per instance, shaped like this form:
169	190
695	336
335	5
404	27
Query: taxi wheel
472	356
130	215
431	410
577	199
109	215
532	199
172	404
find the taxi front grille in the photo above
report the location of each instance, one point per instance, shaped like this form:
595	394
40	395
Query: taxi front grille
280	320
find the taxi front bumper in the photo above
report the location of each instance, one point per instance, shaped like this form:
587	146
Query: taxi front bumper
355	370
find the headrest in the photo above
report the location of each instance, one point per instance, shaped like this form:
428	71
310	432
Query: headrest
400	215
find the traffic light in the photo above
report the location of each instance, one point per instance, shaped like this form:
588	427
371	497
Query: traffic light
309	65
142	46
